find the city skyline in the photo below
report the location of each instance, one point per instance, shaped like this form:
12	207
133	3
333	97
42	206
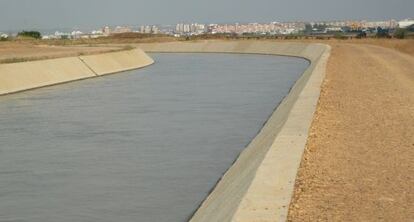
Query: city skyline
327	28
76	14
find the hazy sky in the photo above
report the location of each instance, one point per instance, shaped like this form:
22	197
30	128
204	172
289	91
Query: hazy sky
50	14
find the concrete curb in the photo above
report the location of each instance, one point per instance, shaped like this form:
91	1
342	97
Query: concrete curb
259	185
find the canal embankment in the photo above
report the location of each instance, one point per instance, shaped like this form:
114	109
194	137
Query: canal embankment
16	77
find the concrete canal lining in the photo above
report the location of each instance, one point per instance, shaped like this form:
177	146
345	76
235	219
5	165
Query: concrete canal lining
259	185
17	77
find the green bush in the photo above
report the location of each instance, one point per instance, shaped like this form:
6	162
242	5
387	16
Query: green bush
31	34
340	35
400	33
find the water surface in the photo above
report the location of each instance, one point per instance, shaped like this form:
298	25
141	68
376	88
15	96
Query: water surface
144	145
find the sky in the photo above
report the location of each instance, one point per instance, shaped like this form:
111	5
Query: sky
86	14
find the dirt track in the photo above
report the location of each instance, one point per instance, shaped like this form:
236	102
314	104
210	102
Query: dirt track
359	160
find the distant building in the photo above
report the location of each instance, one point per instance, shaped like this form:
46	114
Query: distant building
190	29
179	28
334	29
186	28
106	31
76	34
93	35
155	30
382	24
122	29
147	29
61	35
406	23
272	28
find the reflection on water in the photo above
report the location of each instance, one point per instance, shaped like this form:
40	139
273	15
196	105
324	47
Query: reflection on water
145	145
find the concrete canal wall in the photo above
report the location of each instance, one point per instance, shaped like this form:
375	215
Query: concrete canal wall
17	77
259	185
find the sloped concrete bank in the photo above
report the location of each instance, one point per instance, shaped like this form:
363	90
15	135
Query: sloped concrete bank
259	185
17	77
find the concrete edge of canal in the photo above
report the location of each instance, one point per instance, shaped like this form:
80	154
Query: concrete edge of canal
16	77
260	184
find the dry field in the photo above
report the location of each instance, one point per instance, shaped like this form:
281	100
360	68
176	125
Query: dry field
405	46
358	164
402	45
29	49
22	51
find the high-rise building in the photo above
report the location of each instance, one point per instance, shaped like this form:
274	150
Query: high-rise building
154	30
106	31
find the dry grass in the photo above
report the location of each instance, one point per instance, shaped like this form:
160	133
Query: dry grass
117	39
22	51
402	45
28	50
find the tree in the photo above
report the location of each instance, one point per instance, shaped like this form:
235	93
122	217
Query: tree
308	28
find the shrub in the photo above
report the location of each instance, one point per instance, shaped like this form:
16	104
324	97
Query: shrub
31	34
128	47
382	33
400	33
14	60
361	35
410	28
339	35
